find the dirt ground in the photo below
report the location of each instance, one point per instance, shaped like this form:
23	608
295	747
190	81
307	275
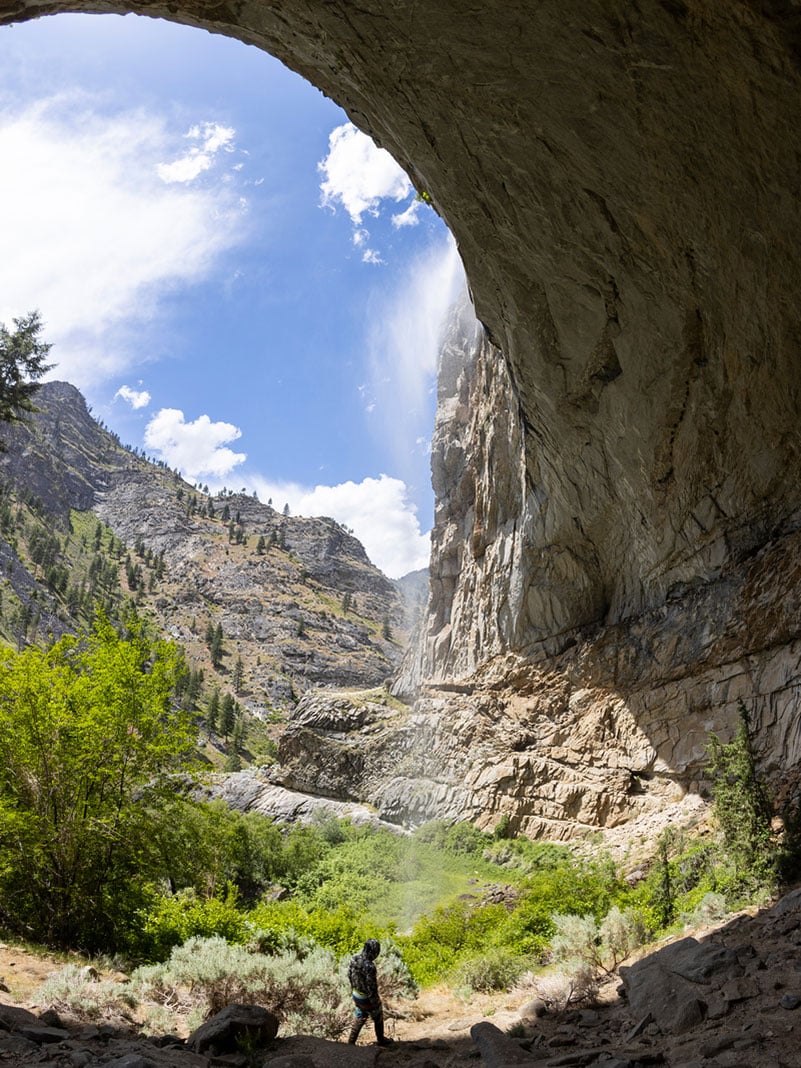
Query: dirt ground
22	971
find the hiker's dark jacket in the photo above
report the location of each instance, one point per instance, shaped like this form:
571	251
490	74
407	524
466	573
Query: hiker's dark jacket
363	978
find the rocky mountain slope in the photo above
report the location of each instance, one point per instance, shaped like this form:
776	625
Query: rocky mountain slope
297	601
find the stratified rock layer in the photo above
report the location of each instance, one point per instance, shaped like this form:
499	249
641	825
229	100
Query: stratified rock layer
623	181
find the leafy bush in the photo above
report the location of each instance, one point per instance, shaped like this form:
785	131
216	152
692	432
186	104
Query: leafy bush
341	930
88	734
602	946
173	919
441	940
573	983
620	934
527	857
710	908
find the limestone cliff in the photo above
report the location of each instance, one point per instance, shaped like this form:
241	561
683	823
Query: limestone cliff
620	497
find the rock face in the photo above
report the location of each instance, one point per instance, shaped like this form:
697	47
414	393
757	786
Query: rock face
623	183
277	585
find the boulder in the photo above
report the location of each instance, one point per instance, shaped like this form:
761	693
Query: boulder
673	984
223	1031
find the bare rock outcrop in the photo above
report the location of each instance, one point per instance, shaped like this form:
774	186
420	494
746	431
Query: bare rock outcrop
623	184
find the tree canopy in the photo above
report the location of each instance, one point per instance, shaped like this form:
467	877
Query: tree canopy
22	364
88	735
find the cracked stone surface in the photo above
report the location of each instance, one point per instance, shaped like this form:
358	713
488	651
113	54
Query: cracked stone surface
621	471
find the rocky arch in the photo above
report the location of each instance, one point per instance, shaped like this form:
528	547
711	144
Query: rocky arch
623	181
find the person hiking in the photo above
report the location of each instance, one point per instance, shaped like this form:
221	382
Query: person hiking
363	981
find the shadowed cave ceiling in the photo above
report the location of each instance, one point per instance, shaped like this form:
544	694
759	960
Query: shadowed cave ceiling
623	182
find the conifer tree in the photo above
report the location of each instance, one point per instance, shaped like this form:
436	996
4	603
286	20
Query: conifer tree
238	675
227	715
216	647
22	364
213	711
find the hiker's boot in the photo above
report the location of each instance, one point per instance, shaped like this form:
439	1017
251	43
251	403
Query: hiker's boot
354	1032
380	1038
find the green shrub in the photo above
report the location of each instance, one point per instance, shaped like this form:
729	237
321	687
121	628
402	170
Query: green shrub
341	930
458	838
76	991
496	969
88	734
527	857
441	940
173	919
307	994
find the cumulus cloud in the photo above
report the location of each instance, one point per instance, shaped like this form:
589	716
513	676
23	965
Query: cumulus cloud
377	509
99	241
209	138
136	398
195	448
410	217
358	175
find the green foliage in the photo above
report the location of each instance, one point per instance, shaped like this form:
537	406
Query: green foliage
208	846
173	919
742	807
458	838
88	734
22	364
497	969
503	828
524	856
601	945
341	929
449	935
305	992
75	990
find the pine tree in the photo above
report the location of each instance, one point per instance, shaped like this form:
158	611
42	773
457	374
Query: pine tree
238	675
261	545
213	711
22	364
216	646
227	715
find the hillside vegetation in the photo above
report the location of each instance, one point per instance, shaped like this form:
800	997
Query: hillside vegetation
263	604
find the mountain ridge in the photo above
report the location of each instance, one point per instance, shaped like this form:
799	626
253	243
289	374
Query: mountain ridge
297	598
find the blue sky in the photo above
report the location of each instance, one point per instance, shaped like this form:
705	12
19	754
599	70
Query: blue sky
237	279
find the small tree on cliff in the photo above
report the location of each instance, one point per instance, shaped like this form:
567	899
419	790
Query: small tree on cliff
22	364
742	806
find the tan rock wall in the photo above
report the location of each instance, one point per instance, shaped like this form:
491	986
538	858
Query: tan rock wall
623	181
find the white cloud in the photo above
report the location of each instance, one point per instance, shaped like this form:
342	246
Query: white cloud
410	217
377	509
194	448
99	242
211	137
371	256
136	398
358	175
